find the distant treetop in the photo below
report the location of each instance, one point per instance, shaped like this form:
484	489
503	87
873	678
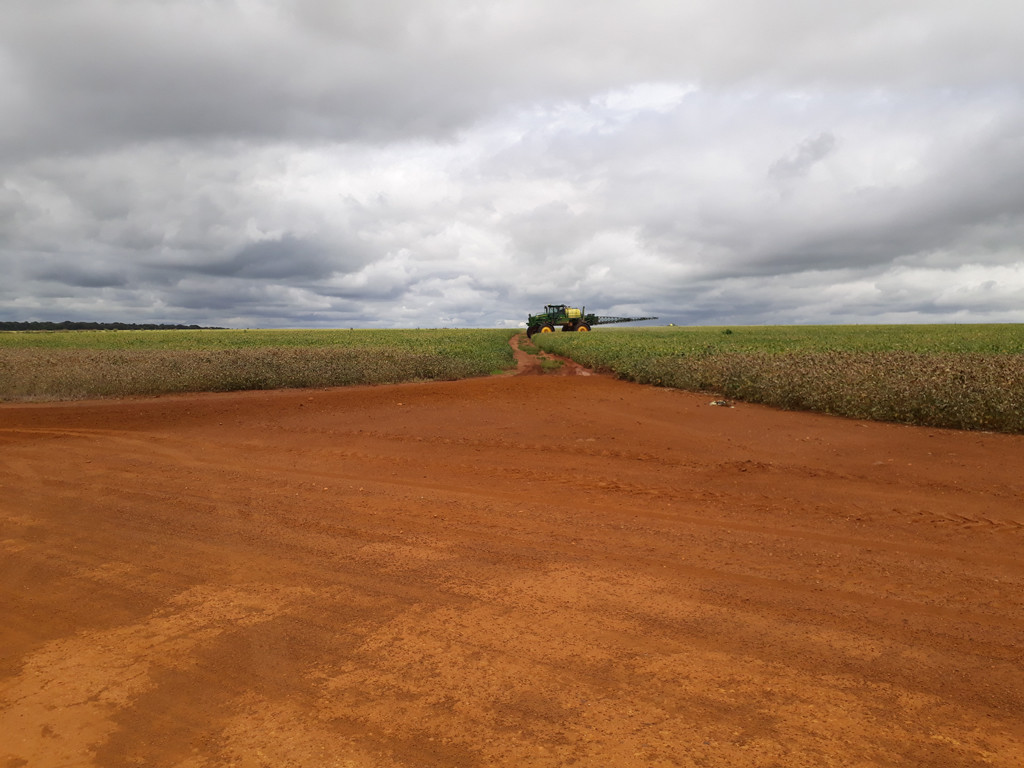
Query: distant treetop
68	325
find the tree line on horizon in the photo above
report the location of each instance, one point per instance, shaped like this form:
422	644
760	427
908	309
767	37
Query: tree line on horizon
73	325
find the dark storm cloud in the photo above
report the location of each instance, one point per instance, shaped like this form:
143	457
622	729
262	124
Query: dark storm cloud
80	276
283	258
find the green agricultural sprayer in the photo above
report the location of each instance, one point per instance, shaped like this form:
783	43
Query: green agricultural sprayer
571	319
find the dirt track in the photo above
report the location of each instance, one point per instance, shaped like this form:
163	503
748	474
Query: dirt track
512	571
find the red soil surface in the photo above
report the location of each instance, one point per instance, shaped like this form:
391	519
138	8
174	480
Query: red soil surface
507	571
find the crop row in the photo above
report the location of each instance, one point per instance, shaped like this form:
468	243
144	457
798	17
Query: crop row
924	375
67	372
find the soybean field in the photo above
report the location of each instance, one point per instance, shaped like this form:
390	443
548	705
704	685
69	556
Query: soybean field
70	365
955	376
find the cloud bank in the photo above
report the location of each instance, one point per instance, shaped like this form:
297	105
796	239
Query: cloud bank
255	163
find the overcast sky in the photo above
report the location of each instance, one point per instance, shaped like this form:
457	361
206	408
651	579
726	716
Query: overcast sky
404	163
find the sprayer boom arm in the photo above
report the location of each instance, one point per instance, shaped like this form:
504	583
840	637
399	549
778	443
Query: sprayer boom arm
607	319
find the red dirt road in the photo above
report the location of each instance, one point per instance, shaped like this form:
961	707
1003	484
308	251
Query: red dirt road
510	571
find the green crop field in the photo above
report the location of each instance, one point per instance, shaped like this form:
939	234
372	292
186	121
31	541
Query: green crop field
67	365
957	376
